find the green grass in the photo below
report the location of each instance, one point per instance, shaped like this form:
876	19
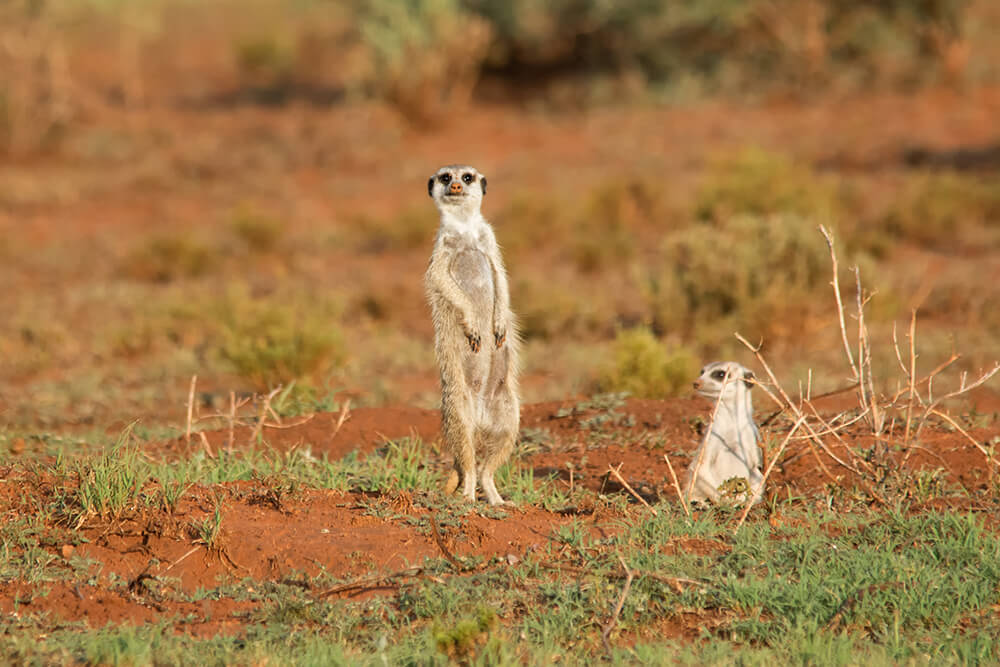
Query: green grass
830	587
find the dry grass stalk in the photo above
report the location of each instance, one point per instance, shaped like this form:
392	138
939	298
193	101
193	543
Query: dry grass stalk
345	411
677	486
991	462
787	402
205	445
190	409
610	625
912	375
840	304
628	488
767	472
232	422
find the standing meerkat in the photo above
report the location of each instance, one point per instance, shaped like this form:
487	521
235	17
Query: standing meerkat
730	449
475	338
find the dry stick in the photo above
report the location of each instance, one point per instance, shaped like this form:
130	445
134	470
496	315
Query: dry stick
673	582
708	432
440	542
629	488
865	357
827	394
232	421
204	443
677	487
830	428
344	411
840	304
171	566
989	457
835	432
927	378
304	420
190	411
963	388
798	413
365	582
259	428
913	375
770	467
610	625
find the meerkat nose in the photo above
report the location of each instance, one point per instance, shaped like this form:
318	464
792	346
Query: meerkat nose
456	187
697	384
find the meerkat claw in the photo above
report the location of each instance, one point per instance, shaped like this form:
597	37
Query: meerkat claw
474	341
499	337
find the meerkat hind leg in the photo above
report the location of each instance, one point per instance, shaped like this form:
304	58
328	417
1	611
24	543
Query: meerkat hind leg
499	452
458	434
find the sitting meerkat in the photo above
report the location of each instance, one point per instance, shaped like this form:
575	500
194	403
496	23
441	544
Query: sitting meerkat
726	467
475	339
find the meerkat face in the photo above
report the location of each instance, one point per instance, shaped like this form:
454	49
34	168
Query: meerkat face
457	186
727	378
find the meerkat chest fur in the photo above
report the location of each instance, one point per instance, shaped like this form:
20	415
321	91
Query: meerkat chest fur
470	246
733	426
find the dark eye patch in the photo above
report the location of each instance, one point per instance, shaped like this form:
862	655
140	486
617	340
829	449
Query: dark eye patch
467	178
719	375
445	178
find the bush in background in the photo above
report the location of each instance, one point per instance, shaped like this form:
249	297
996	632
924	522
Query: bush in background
646	367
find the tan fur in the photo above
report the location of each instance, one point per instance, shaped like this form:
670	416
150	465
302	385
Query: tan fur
475	337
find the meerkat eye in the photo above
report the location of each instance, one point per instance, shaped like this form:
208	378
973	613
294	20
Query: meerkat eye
719	375
445	178
467	178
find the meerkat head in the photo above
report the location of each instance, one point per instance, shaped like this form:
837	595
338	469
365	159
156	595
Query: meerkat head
457	188
727	378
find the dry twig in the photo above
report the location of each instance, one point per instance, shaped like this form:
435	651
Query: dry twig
610	625
190	409
767	473
628	488
677	487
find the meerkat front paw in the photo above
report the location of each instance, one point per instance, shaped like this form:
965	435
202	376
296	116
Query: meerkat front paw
474	341
499	337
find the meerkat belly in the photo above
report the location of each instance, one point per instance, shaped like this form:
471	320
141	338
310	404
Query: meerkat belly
486	370
471	270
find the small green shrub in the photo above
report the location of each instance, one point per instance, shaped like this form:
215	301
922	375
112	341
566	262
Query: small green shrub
259	232
427	53
271	342
409	229
646	368
745	271
944	209
757	182
167	258
463	641
548	310
265	58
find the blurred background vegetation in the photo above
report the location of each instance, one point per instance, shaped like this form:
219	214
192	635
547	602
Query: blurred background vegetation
233	189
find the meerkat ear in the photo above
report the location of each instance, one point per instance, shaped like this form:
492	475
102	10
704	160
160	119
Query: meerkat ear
482	182
748	379
430	186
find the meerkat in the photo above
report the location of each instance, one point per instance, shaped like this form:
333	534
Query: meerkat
730	450
475	337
